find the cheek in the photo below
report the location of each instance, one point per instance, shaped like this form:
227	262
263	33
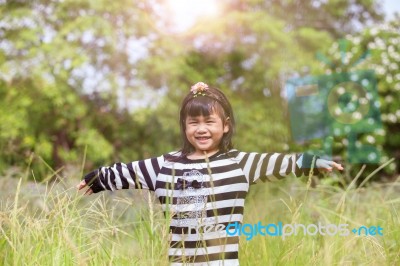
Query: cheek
188	131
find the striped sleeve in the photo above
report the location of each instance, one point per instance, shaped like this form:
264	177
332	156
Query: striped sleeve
138	174
273	166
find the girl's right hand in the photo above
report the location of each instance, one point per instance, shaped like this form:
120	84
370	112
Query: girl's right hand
82	185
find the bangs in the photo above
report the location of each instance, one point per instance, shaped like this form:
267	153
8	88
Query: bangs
202	106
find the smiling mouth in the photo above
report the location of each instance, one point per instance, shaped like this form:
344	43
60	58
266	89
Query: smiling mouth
202	138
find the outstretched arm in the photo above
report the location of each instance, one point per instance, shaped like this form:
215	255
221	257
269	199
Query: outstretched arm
139	174
273	166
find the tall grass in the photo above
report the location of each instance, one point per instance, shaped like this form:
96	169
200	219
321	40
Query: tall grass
376	205
56	225
47	224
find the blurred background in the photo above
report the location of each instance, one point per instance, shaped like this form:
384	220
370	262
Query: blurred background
90	83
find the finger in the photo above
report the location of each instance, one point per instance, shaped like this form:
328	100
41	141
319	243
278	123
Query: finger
81	185
337	166
88	192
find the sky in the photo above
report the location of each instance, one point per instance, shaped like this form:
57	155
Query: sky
391	6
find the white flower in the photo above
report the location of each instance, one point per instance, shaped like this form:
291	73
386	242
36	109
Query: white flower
392	118
370	139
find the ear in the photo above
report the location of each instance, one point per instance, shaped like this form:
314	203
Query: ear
226	125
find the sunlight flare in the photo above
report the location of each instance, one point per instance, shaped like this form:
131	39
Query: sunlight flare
184	14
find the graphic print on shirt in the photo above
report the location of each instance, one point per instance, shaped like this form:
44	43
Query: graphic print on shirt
191	203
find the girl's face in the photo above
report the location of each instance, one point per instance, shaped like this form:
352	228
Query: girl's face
205	133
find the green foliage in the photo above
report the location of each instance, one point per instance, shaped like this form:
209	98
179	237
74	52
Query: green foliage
376	49
46	47
69	71
335	16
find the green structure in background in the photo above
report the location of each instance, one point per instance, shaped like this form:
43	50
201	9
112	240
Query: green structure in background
337	105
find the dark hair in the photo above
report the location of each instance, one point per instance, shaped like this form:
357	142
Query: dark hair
212	101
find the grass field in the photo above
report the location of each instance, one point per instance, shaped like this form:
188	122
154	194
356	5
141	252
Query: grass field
53	224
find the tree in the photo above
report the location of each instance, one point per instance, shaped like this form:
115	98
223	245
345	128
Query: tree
48	50
336	17
376	48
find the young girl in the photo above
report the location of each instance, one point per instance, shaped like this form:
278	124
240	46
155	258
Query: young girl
205	184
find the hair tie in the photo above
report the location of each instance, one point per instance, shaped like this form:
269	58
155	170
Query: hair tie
199	89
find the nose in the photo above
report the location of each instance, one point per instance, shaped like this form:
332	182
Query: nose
201	128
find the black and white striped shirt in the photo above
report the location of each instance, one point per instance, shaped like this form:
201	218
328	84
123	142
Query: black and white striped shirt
200	194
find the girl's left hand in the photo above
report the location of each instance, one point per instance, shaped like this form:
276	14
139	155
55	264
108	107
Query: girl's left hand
326	165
